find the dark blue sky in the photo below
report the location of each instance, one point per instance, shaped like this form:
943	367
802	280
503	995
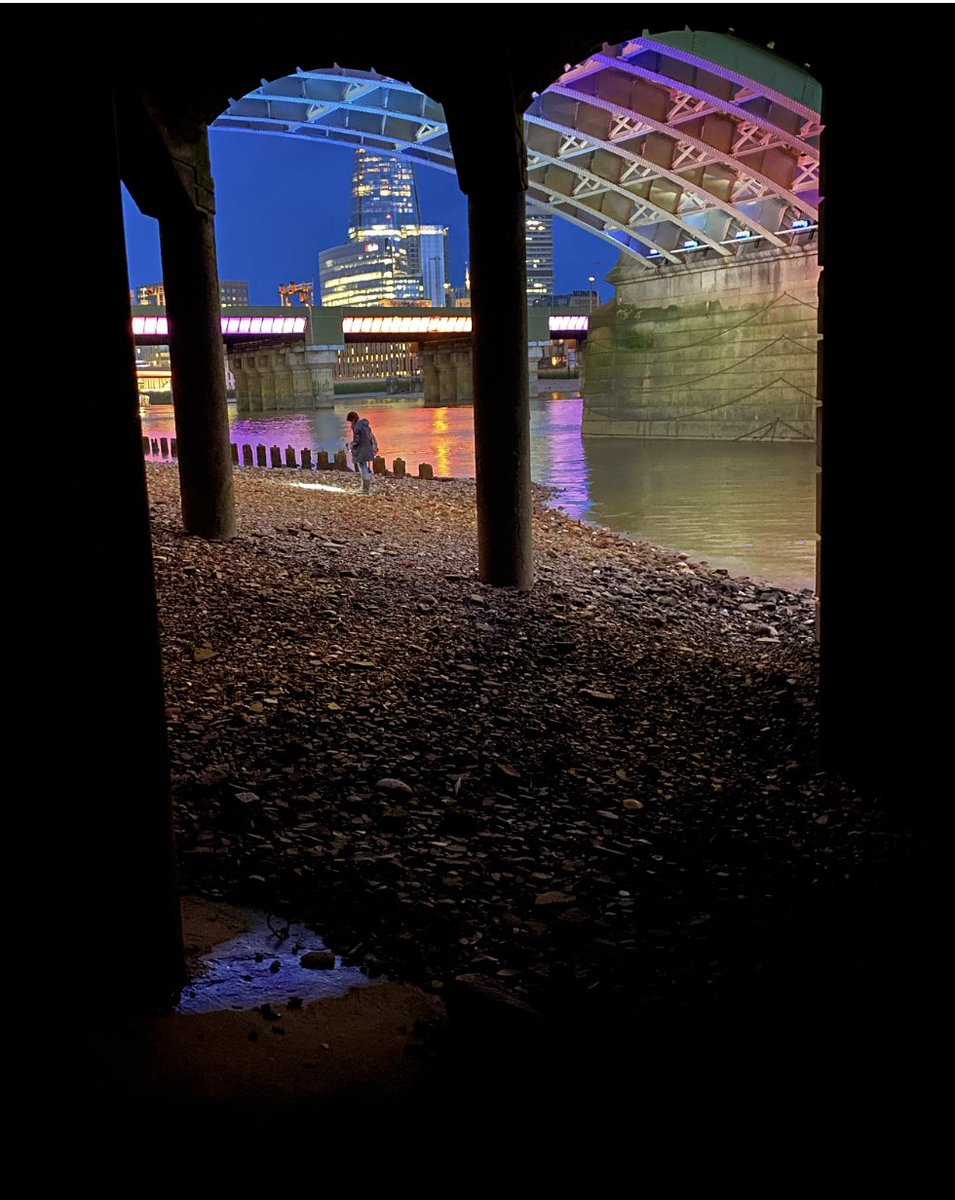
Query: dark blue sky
279	202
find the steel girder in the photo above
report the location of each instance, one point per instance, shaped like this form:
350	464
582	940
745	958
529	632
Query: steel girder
647	145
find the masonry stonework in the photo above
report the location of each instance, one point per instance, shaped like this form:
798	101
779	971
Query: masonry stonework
289	378
724	351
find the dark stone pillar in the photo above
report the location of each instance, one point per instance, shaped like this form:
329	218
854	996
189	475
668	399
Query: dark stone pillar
491	159
876	646
105	823
191	280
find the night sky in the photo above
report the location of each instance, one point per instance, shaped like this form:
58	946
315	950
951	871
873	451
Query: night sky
279	202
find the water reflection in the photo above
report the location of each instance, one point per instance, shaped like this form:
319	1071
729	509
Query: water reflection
257	967
745	506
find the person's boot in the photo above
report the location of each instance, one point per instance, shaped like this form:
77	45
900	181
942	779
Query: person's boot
366	486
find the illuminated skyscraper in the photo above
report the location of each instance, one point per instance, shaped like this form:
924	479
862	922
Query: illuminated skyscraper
384	195
390	258
540	253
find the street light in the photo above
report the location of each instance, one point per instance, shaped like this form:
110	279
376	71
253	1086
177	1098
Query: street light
591	280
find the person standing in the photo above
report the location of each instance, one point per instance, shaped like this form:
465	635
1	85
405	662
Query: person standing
364	448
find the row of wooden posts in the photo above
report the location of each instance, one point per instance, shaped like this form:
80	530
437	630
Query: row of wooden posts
166	448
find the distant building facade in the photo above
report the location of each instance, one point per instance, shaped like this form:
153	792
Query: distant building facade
233	293
540	252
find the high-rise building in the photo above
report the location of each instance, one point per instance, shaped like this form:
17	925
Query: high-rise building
384	195
540	253
390	258
365	274
233	293
428	257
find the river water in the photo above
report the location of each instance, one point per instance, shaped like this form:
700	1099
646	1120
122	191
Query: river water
745	506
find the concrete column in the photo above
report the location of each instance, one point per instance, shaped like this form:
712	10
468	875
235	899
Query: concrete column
463	375
429	374
533	365
266	377
490	155
283	364
501	408
447	390
243	379
191	280
104	864
321	363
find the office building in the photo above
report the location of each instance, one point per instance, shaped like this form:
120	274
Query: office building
233	293
390	260
540	253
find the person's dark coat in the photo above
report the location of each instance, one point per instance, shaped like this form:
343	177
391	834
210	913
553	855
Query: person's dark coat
363	444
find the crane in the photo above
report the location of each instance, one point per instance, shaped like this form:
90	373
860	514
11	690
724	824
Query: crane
288	291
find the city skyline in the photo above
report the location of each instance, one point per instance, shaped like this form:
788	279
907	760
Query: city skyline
278	203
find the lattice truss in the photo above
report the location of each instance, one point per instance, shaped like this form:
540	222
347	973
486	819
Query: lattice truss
650	147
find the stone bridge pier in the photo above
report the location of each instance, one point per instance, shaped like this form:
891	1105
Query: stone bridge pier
288	378
447	370
708	351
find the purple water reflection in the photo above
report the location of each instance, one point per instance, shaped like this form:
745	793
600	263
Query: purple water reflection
745	506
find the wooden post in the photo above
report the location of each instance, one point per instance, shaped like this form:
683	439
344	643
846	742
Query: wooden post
145	444
164	446
341	462
155	446
174	448
425	471
275	454
290	457
399	468
234	452
378	466
260	458
321	460
306	460
247	456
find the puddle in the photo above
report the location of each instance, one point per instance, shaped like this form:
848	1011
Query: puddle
241	972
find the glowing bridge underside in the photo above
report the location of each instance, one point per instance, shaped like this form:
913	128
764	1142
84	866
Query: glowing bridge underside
677	145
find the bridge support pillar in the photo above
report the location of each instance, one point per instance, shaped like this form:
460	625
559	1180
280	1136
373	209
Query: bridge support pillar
463	375
429	375
291	378
491	159
248	396
534	352
191	281
320	363
501	406
448	372
447	390
106	865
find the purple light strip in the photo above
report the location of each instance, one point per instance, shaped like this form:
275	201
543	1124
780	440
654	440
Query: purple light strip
257	326
580	324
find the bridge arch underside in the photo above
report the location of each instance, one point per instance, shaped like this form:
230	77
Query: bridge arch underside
695	155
